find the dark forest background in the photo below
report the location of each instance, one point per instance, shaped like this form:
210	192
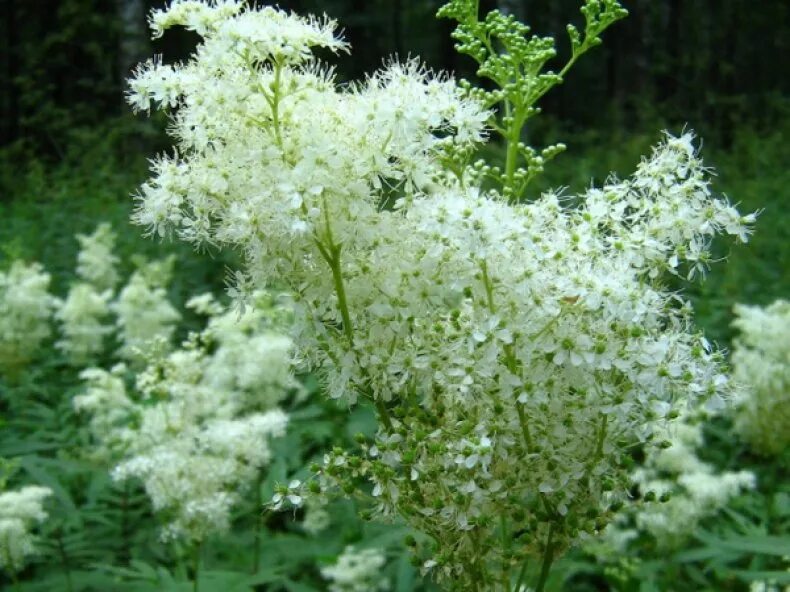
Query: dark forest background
711	63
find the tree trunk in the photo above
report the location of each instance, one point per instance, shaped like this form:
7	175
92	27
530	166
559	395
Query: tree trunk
133	43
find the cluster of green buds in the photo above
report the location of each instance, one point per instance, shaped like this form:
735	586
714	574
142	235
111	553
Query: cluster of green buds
516	62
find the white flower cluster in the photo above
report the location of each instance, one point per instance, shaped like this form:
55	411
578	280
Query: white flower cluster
357	570
97	264
196	437
25	310
143	310
761	361
83	314
689	490
20	511
512	351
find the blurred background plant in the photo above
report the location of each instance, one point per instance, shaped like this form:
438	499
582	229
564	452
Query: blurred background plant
70	156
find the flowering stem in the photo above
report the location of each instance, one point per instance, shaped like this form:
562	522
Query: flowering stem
331	255
522	419
601	437
521	574
340	290
548	558
488	286
275	104
511	159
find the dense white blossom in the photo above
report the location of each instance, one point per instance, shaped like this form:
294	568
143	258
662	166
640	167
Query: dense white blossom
26	307
357	570
761	359
20	511
111	410
143	311
82	317
97	264
194	436
513	351
83	314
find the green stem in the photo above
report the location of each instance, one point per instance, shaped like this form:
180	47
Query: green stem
275	104
196	567
384	414
488	286
601	437
522	419
548	558
511	158
521	575
342	300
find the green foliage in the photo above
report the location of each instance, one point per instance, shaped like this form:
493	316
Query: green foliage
515	61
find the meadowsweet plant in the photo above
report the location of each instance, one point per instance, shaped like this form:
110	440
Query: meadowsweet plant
83	314
97	263
761	359
195	435
143	311
513	351
26	307
20	511
93	311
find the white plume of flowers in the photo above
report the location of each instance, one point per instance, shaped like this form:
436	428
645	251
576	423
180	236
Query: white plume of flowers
513	351
87	305
97	264
357	570
143	311
761	361
194	439
251	353
112	410
26	307
20	511
687	488
81	318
